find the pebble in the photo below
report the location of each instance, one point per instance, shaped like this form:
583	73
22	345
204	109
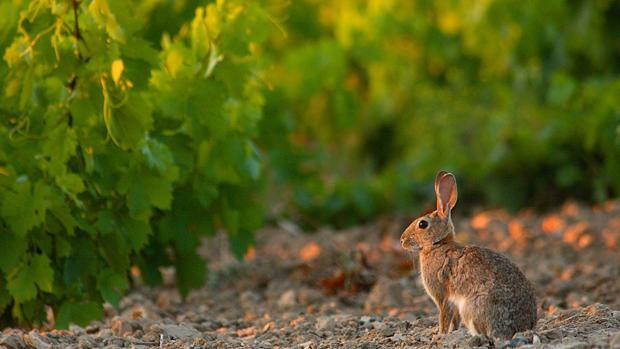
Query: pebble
385	293
614	343
287	299
572	344
13	342
179	331
120	327
388	332
325	323
34	339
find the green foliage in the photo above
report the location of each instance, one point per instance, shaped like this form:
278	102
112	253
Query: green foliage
118	151
518	99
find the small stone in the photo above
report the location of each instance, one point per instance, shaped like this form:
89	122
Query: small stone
87	342
517	341
105	333
247	332
248	301
536	339
573	345
287	299
116	342
366	319
325	323
179	331
388	332
120	327
398	338
614	343
477	341
92	329
33	339
386	293
13	342
308	295
305	345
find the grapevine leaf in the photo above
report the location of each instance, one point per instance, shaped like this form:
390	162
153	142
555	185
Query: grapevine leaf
111	286
63	214
78	313
191	271
81	264
240	242
24	208
128	123
137	232
157	155
21	285
115	251
13	247
5	296
42	272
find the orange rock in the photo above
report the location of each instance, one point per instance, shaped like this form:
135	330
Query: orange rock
610	238
572	233
584	241
552	224
247	332
310	251
481	220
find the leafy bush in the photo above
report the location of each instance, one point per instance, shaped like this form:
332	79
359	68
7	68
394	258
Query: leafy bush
116	151
518	99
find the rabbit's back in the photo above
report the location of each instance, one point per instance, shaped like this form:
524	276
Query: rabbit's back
493	296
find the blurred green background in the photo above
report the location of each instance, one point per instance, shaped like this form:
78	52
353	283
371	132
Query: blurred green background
131	129
369	99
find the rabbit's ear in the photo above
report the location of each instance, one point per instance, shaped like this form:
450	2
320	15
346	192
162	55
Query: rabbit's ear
445	188
438	177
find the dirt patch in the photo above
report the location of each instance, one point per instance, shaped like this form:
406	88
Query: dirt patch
357	288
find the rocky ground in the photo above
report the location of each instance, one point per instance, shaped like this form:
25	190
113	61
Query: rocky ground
357	288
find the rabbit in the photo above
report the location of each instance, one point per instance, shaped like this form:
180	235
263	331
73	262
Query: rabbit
476	286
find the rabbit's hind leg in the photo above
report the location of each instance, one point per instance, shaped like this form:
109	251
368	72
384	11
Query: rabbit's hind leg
455	322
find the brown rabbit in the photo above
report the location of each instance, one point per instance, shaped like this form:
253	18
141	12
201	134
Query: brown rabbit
475	285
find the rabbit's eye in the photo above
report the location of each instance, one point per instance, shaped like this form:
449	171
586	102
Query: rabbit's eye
423	224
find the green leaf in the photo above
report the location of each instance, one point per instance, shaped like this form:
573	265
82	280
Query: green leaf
115	251
24	208
23	281
128	122
82	263
63	214
112	286
100	12
240	242
21	285
42	272
191	271
157	155
79	313
5	296
137	232
13	248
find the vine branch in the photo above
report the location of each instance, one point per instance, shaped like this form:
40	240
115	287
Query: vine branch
76	27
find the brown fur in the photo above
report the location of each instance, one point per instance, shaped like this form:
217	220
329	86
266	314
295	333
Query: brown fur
475	285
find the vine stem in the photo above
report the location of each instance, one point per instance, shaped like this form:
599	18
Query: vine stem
76	29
